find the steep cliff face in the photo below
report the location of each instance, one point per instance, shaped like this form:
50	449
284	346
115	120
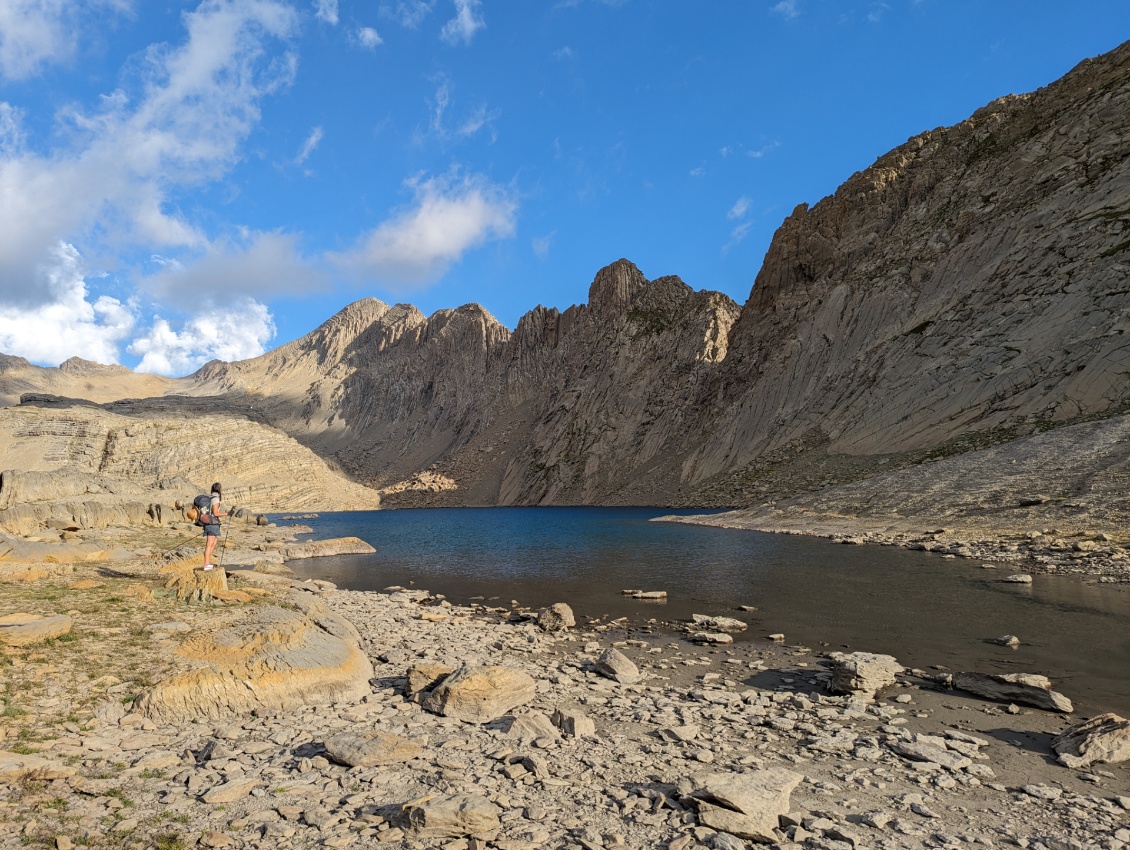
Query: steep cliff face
973	279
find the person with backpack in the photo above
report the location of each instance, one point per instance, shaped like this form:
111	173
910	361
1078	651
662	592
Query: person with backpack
209	517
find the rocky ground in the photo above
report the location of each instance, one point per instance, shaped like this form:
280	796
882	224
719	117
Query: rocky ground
660	737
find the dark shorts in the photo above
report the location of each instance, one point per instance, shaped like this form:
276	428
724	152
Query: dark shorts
212	530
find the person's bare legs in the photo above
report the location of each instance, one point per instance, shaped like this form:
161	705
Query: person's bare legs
209	547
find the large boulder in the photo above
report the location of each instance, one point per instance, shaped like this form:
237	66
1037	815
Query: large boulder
862	673
24	629
1027	688
479	694
17	767
718	624
1104	738
557	617
746	804
371	749
272	659
616	665
450	816
326	548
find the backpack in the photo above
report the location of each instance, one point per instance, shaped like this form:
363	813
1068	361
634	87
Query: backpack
201	510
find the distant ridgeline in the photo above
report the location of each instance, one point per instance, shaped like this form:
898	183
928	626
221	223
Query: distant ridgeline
969	288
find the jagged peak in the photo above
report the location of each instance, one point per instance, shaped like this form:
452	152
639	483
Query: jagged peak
79	366
615	286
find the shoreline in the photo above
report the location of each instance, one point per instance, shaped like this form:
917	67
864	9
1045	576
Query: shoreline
135	781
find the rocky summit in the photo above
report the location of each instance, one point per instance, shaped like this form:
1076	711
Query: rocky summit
965	291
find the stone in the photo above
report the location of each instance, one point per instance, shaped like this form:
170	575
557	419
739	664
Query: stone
231	791
425	676
479	694
747	805
556	618
32	629
371	749
450	816
532	726
936	755
212	838
712	638
197	584
272	658
1011	641
330	548
573	722
862	673
1104	739
1019	578
1027	688
615	665
16	767
718	624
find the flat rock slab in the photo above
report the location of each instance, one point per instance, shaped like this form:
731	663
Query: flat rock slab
229	792
532	726
712	638
616	665
15	767
371	749
747	805
451	816
425	676
326	548
272	659
935	755
27	631
1104	738
863	673
718	624
573	722
1027	688
479	694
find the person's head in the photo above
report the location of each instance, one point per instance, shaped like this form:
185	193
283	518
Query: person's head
216	488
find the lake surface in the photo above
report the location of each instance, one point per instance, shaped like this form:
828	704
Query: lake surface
920	607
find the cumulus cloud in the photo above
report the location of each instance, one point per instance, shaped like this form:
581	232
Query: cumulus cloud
260	265
368	38
326	10
234	333
450	216
38	33
468	20
410	13
308	146
70	324
787	9
739	209
114	182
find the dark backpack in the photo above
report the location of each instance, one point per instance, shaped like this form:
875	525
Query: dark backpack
202	505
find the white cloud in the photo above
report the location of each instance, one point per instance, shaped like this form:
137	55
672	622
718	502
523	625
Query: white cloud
877	12
308	147
233	333
70	324
481	117
326	10
787	9
564	53
450	216
700	171
11	130
368	38
467	21
763	150
410	13
542	244
114	183
262	265
737	235
739	209
37	33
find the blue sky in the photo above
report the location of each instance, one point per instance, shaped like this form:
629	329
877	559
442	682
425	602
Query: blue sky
184	181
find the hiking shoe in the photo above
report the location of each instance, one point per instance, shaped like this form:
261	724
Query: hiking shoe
209	566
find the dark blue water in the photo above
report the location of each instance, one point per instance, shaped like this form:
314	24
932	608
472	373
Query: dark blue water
920	607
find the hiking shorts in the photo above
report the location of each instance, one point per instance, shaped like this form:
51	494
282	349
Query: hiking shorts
212	530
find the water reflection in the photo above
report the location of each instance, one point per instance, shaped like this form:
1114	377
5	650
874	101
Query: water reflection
924	609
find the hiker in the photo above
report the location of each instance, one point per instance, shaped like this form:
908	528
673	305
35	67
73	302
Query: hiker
212	528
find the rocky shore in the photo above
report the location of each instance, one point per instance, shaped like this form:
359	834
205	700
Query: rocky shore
481	725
